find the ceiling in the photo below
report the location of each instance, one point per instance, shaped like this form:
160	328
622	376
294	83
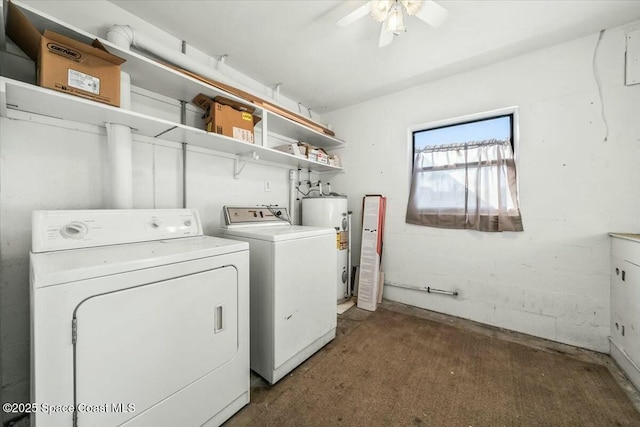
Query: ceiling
325	67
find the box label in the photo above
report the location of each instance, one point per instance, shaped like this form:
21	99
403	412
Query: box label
84	82
243	134
343	240
61	50
247	116
322	158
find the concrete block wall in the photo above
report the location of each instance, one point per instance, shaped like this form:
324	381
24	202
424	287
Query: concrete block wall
47	163
552	280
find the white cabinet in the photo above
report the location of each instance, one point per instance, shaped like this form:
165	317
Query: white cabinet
631	285
16	96
625	303
617	301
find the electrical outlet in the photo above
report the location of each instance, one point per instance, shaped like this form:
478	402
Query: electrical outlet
267	185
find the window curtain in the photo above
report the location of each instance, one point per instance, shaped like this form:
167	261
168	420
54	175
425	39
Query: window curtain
466	186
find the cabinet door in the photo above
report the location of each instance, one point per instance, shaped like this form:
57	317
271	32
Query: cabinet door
630	277
618	304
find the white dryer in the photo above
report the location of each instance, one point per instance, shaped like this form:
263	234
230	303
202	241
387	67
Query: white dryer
137	319
293	267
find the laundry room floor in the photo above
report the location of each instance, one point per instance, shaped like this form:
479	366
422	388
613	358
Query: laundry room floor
407	366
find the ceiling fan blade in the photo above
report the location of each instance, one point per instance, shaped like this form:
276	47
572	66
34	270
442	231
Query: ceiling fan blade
386	37
432	13
354	16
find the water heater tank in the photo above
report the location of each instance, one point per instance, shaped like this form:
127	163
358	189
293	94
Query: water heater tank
332	211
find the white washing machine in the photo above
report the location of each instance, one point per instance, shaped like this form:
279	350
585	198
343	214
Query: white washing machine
293	267
137	319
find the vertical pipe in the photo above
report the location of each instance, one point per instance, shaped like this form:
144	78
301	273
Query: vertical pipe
119	156
119	144
183	120
292	195
184	175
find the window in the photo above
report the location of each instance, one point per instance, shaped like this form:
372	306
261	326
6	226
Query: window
464	174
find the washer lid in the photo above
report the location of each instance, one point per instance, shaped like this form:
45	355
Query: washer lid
278	233
54	268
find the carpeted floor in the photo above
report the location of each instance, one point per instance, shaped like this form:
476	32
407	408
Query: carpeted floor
397	369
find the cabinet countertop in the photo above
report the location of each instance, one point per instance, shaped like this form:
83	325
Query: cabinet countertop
629	236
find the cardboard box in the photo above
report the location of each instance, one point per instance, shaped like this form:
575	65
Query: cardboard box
227	121
335	160
318	155
228	117
323	157
67	65
307	147
295	149
312	154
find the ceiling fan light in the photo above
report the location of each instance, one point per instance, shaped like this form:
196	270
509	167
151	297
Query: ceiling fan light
412	6
380	9
395	21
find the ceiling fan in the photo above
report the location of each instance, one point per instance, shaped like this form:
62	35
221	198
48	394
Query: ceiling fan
391	14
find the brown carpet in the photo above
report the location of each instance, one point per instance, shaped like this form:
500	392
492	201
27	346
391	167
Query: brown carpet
395	369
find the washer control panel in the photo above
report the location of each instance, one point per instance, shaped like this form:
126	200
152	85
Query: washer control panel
255	215
61	230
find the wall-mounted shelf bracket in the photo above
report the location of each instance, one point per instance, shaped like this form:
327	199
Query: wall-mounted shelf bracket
239	163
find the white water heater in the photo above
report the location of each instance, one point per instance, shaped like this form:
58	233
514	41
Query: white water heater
332	211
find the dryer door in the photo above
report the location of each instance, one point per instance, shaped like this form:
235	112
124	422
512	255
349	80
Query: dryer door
138	346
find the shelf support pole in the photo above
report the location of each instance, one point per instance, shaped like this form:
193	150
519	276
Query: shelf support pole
265	127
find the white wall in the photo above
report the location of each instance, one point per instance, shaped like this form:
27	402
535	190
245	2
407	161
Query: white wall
45	166
47	163
552	280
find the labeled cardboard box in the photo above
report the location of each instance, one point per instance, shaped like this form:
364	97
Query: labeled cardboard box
65	64
323	157
228	117
226	120
312	154
318	155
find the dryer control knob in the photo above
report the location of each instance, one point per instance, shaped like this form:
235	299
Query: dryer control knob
74	230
